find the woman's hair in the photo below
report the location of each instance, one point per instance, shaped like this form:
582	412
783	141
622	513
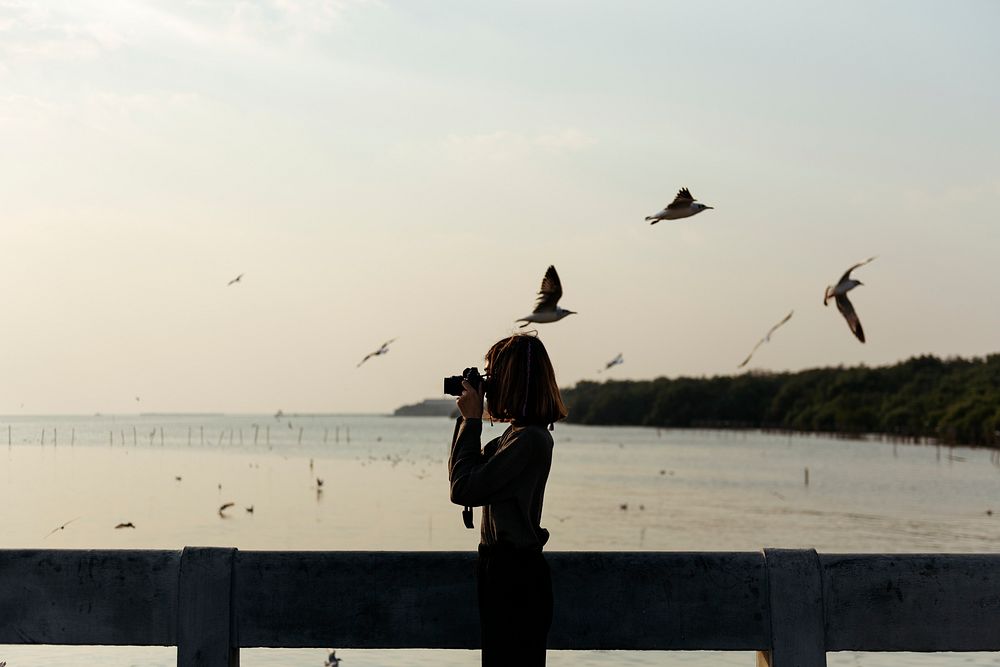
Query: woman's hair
522	385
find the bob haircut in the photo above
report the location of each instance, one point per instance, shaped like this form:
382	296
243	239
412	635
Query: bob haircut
522	384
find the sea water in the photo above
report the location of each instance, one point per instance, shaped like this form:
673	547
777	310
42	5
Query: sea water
384	487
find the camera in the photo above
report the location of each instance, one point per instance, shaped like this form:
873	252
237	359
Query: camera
453	384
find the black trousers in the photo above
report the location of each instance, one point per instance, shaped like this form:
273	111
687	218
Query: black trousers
515	606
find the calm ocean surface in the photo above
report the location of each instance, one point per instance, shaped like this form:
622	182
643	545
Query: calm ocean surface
385	487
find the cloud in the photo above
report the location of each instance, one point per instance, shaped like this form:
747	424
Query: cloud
29	30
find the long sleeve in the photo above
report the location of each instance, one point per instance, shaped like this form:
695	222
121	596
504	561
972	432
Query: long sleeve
479	480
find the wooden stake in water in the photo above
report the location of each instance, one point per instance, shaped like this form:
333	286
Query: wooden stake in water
135	437
201	429
256	431
55	437
72	437
221	433
123	437
111	438
326	432
300	435
241	437
189	436
348	434
43	437
267	436
230	437
336	434
161	436
10	441
807	475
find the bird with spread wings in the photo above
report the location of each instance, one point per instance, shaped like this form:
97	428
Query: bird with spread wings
547	307
839	292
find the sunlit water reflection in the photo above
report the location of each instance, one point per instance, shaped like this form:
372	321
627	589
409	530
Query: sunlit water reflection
385	487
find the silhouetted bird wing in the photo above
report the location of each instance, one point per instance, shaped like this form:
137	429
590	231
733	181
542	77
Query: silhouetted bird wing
847	310
550	292
779	325
847	273
234	280
750	356
225	506
682	200
55	530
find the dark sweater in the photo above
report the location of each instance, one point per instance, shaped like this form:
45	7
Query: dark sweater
507	478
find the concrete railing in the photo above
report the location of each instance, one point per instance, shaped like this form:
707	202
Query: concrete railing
791	606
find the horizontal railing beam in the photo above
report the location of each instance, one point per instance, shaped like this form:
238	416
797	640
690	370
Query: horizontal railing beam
214	598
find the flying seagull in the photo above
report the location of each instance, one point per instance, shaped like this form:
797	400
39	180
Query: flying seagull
333	660
235	280
611	364
682	206
127	524
546	309
384	348
766	338
62	527
839	292
224	507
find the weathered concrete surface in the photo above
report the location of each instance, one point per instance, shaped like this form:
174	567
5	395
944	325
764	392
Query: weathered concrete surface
795	585
912	602
213	600
88	597
602	600
205	620
656	600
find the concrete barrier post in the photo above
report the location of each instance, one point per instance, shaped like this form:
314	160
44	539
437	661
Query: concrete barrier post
206	634
798	629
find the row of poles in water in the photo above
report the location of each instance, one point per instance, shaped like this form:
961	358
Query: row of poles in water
201	435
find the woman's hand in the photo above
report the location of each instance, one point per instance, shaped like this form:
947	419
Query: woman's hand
470	403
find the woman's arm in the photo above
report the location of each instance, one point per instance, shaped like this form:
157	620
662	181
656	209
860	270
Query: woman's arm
476	480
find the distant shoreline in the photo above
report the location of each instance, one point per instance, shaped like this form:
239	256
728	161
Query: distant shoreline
951	401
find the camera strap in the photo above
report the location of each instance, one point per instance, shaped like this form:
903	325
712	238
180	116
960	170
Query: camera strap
467	517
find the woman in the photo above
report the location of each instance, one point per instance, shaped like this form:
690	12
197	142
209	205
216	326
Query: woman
507	478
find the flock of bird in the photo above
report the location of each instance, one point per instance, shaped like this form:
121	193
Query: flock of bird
684	205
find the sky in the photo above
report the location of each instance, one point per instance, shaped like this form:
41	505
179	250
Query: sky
408	170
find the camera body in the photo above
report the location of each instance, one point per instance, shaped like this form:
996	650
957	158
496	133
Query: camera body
453	384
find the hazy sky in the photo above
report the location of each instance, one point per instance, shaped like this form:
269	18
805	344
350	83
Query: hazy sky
391	169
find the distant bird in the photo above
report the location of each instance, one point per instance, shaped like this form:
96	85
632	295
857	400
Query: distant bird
224	507
383	349
136	399
279	414
683	206
235	280
128	524
611	364
319	482
249	509
177	477
62	527
547	309
766	338
623	506
332	661
839	292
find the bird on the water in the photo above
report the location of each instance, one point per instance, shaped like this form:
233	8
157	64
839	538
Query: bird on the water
383	349
766	338
611	364
547	308
839	292
683	206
